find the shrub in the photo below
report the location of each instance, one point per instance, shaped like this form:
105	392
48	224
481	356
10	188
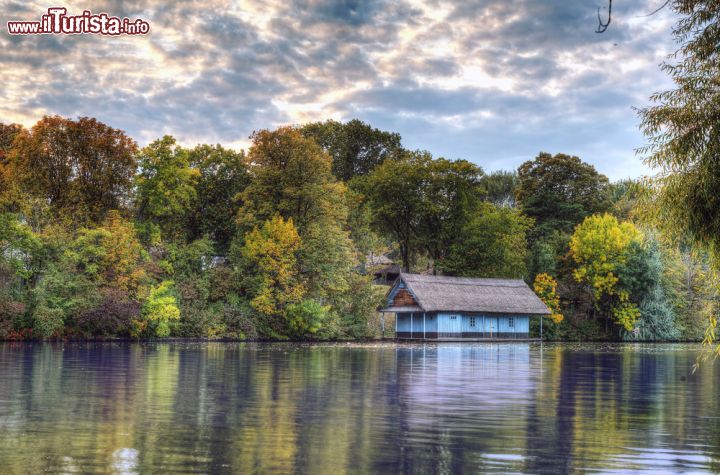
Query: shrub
160	309
112	317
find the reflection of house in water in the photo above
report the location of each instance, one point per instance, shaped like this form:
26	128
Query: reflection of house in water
491	374
464	405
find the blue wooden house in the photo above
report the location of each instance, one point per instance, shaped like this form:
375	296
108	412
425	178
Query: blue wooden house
440	307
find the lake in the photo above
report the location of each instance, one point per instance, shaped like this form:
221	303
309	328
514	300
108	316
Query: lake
357	408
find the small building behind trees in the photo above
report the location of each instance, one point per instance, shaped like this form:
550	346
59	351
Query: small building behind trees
440	307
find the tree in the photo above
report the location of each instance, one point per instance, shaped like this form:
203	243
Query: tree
492	244
111	255
222	177
500	187
159	311
83	168
291	176
8	185
546	288
642	276
355	147
166	186
269	263
600	246
683	132
559	191
423	203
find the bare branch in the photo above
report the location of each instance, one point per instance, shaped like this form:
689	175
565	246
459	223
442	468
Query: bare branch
604	26
657	10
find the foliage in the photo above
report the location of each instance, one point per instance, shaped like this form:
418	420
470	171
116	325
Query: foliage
82	168
111	254
559	191
500	187
493	244
269	263
545	287
112	316
159	311
599	246
683	133
216	243
355	147
20	249
291	176
222	177
306	318
422	203
59	297
165	186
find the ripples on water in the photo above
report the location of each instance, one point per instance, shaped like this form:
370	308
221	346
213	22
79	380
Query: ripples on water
376	408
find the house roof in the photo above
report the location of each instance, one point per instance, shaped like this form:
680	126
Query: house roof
435	293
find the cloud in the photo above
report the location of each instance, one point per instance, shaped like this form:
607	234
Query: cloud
492	81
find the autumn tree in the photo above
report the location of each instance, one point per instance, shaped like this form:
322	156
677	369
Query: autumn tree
8	184
110	255
291	176
545	286
356	148
600	247
83	168
270	274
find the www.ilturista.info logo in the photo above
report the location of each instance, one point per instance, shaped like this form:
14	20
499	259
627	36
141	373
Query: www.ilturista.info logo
58	22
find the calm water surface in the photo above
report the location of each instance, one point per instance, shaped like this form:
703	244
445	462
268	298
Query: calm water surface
379	408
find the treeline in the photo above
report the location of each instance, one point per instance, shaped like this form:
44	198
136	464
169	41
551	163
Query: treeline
99	237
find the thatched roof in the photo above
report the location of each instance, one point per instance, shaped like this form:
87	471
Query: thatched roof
461	294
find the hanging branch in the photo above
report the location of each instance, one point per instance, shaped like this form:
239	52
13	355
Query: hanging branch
604	26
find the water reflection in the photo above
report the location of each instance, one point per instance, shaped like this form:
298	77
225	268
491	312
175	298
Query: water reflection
254	408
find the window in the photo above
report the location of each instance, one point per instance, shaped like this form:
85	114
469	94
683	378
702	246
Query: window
453	317
511	322
472	321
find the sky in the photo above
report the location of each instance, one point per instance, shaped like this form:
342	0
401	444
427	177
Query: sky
494	82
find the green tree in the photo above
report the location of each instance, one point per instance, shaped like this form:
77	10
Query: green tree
500	187
492	244
307	318
422	203
222	177
111	255
683	130
166	187
642	276
559	191
83	168
356	148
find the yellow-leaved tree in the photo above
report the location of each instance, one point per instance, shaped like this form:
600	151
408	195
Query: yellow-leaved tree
600	246
545	287
270	256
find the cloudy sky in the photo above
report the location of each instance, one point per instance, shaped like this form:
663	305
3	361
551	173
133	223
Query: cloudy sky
493	81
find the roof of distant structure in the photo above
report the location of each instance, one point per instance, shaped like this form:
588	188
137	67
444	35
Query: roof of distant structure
434	293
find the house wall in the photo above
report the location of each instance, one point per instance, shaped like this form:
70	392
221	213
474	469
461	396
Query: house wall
406	330
443	325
